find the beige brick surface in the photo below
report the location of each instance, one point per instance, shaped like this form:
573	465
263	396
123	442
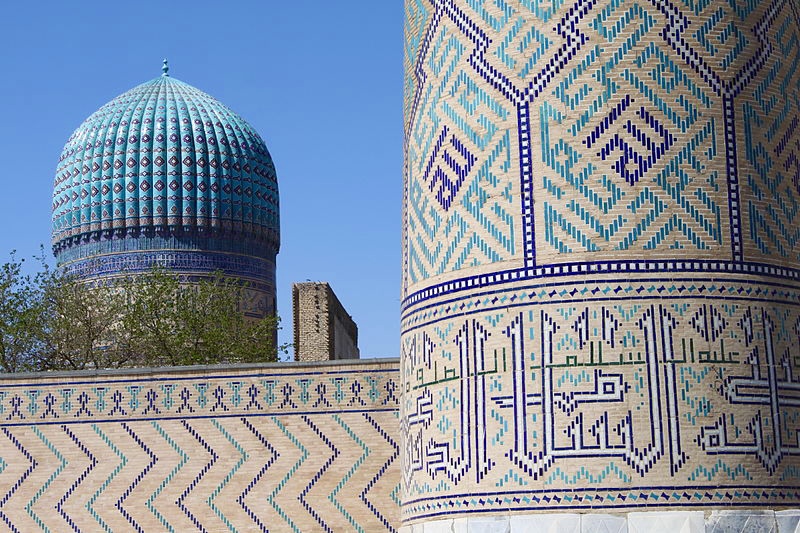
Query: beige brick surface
323	331
278	447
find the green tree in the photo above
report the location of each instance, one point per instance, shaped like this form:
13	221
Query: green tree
52	322
80	325
174	322
20	315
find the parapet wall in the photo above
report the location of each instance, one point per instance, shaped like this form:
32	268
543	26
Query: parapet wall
281	447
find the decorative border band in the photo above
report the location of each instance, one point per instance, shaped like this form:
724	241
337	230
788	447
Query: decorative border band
597	267
198	396
615	498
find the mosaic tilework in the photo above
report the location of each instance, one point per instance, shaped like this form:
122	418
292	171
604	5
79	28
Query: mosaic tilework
271	448
166	176
164	157
458	157
660	127
242	266
193	265
624	396
635	344
769	167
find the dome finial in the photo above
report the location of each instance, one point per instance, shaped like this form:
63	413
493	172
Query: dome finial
165	68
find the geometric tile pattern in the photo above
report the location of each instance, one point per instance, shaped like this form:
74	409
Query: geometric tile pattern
193	265
629	145
640	194
770	168
254	269
458	158
598	130
624	332
258	449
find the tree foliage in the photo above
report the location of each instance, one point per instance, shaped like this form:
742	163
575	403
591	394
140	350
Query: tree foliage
51	322
20	317
174	323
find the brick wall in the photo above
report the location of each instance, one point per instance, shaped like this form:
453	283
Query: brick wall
284	447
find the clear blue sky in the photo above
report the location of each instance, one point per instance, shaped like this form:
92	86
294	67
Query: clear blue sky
321	81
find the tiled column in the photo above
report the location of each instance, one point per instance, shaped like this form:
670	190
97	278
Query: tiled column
600	314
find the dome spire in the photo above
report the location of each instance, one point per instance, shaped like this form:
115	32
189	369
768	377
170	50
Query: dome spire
165	68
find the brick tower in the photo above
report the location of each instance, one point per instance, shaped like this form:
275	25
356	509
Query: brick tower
601	252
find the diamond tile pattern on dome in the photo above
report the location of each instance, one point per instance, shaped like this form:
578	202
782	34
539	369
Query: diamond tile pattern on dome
165	132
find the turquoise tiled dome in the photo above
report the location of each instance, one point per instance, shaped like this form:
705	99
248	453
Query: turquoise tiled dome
165	159
166	175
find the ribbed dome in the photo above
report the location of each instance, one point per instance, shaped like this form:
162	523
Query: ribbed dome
165	161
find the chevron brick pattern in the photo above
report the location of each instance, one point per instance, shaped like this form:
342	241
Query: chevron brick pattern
292	448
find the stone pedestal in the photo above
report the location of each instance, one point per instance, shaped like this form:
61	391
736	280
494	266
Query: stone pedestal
739	521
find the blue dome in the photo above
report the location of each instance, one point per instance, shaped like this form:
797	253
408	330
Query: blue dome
165	175
165	161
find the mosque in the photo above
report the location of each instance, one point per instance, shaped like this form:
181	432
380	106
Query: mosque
600	323
165	175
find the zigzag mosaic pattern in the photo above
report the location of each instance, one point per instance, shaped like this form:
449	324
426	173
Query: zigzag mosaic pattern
268	449
637	345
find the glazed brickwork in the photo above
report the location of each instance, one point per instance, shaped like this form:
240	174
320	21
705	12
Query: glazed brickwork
166	175
601	293
165	159
268	448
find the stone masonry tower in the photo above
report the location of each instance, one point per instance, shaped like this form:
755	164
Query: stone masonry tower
323	330
601	265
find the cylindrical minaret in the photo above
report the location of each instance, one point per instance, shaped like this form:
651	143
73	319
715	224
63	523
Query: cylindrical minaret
601	263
